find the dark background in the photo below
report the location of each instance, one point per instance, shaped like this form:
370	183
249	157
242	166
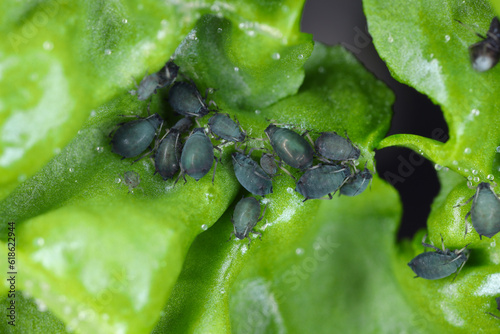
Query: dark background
343	22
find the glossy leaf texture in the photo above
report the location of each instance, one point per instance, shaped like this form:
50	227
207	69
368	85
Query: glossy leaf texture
61	60
100	259
428	50
311	259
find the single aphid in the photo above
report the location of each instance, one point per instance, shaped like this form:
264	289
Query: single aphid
186	100
245	217
223	126
268	164
484	212
322	180
167	155
333	147
131	179
151	83
250	175
133	138
438	264
291	147
485	54
197	156
168	149
357	183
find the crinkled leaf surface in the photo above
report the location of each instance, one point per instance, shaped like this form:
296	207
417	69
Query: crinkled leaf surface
61	60
311	260
100	259
428	50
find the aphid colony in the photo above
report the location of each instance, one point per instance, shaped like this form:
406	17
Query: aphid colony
194	156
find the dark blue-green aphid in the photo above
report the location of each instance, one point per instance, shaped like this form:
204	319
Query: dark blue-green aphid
186	100
250	175
197	155
150	83
334	147
223	126
245	217
133	138
168	153
291	147
268	164
484	212
183	124
357	183
498	308
438	264
322	180
167	74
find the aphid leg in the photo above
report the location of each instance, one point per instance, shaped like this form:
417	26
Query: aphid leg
197	123
428	245
213	176
288	173
460	269
322	159
459	205
263	213
466	224
220	152
477	34
178	177
231	236
260	234
496	316
308	137
143	156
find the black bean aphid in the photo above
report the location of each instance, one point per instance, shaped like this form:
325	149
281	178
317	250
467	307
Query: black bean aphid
485	54
250	175
291	147
168	152
245	217
133	138
268	164
223	126
333	147
438	264
484	212
151	83
197	156
186	100
357	183
322	180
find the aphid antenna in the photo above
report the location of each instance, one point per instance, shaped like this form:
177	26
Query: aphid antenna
472	30
460	269
493	315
